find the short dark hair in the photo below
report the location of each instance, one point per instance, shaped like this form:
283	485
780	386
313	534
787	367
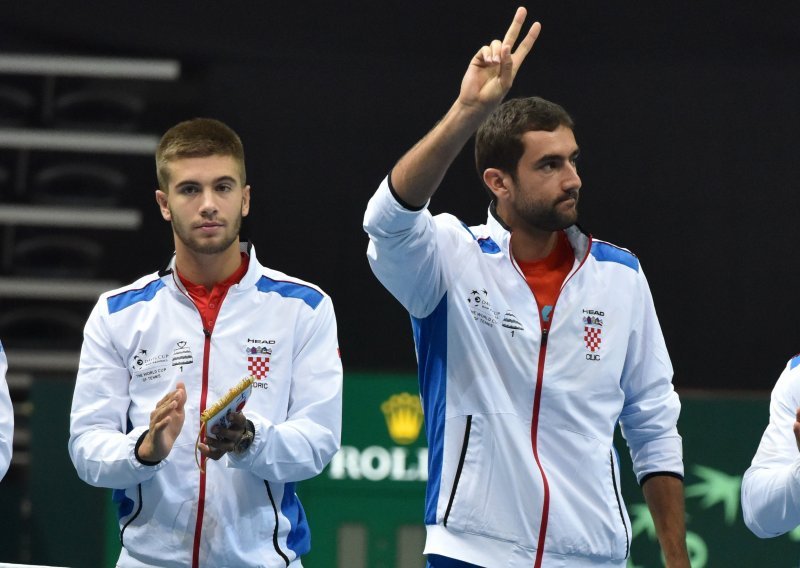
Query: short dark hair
498	142
197	138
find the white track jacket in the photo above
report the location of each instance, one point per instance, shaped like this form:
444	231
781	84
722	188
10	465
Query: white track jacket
771	486
139	342
522	468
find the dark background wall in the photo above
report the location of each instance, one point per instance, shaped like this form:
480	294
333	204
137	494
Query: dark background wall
686	116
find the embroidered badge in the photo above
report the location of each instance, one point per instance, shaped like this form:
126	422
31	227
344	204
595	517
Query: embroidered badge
482	311
511	322
592	338
147	367
592	333
258	352
258	366
181	355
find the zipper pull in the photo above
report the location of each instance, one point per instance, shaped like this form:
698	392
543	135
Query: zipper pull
206	332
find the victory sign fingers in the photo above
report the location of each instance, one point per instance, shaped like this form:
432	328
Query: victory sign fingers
494	66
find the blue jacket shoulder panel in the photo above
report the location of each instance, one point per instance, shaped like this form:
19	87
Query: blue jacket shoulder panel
606	252
122	300
288	289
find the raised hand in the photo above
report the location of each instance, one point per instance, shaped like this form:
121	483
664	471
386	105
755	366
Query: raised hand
166	423
492	70
489	76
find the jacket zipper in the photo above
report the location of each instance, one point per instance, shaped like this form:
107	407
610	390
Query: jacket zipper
537	400
201	498
537	397
207	331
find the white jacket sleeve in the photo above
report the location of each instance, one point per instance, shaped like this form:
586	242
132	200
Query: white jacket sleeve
650	415
771	485
100	445
301	446
403	252
6	417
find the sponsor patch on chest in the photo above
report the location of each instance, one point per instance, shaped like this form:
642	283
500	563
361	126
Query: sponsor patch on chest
258	353
592	320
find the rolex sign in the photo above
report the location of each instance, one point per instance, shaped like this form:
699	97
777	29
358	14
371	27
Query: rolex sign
394	454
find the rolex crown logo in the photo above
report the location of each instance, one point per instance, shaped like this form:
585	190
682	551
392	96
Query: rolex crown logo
403	414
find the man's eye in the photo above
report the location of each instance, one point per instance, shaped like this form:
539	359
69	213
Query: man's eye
189	189
224	187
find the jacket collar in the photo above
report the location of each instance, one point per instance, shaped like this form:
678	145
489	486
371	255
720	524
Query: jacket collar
169	276
580	240
498	230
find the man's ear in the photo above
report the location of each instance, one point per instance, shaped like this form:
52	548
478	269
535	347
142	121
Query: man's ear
163	204
498	183
245	200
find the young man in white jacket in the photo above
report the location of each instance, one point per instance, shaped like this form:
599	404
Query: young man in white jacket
160	351
771	485
533	341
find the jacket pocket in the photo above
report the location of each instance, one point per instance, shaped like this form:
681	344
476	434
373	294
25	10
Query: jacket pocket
127	509
495	490
613	461
587	513
459	468
168	514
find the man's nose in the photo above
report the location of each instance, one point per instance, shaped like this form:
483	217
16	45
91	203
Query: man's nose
571	179
208	204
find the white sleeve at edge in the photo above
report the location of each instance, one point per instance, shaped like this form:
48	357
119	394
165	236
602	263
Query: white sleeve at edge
771	486
6	418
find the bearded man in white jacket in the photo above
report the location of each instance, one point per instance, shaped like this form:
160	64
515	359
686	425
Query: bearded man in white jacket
533	341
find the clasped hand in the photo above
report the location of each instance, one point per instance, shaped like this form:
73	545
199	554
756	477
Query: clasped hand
226	438
166	423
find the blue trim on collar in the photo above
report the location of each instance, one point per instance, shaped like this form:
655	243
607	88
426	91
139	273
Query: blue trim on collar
463	224
287	289
795	361
606	252
126	299
487	244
